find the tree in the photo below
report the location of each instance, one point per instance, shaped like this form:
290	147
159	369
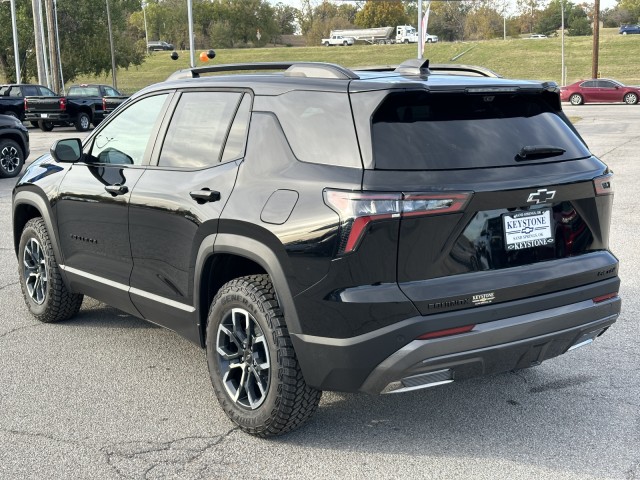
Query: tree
483	23
448	19
631	6
381	13
24	23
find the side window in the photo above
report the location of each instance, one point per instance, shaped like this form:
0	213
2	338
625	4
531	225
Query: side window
589	84
30	91
606	84
198	129
124	139
234	147
111	92
319	127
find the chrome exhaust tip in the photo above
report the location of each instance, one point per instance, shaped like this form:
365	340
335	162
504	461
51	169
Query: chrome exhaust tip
420	381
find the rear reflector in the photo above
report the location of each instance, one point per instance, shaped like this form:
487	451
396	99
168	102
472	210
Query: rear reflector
446	333
604	298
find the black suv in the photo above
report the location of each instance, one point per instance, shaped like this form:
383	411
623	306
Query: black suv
14	146
320	228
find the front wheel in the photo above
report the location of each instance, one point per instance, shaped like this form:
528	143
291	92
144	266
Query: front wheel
11	158
83	121
44	291
631	98
252	363
326	44
576	99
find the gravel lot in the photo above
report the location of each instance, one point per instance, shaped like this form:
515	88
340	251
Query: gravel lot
110	396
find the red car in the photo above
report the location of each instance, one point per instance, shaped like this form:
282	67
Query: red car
601	90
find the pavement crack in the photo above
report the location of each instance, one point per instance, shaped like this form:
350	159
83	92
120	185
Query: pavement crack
632	139
9	285
42	435
144	459
17	329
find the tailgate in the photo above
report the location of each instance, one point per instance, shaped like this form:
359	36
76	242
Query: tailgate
45	104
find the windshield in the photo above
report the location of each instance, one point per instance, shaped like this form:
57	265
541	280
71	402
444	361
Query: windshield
423	131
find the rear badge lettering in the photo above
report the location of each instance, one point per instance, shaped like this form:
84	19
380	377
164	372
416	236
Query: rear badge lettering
449	304
483	298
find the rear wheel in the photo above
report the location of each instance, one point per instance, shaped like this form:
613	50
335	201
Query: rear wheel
44	292
326	44
406	40
576	99
631	98
45	126
11	158
252	364
83	122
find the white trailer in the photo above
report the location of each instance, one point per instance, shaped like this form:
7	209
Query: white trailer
384	35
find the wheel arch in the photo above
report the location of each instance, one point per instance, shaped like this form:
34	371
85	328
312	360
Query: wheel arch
16	137
28	205
226	256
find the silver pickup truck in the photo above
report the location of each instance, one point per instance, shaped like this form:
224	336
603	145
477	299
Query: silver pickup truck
338	40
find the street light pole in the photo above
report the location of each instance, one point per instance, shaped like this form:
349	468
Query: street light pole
192	53
16	52
113	55
596	38
562	82
144	15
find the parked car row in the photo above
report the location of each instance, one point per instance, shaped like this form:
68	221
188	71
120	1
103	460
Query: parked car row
83	105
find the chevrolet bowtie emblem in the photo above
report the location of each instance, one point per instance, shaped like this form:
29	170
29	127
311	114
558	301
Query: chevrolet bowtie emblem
541	196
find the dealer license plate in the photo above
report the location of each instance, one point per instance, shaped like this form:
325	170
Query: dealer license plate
44	115
527	229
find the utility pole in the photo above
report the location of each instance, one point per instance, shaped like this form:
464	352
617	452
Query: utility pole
192	53
37	30
596	38
53	46
16	51
113	55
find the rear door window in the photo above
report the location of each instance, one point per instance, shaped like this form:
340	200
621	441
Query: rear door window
423	131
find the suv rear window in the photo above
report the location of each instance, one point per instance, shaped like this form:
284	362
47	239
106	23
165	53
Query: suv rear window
423	131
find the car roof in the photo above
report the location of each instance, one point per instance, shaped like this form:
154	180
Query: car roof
413	74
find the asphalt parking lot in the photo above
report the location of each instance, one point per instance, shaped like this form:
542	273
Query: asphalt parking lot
109	396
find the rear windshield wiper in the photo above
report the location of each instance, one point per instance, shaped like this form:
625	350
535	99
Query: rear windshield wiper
531	152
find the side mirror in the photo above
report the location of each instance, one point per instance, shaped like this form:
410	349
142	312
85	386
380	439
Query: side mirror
68	150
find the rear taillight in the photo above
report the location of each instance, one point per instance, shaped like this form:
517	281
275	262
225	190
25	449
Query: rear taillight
358	209
604	184
63	104
26	104
104	104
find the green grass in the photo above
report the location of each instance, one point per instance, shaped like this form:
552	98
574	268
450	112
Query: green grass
515	58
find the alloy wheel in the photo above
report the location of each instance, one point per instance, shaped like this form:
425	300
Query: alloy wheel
243	356
9	158
35	271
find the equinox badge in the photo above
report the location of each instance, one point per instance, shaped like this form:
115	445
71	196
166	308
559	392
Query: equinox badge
541	196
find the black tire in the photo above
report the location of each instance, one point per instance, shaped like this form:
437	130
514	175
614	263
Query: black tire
576	99
83	122
43	290
45	126
345	43
326	44
11	158
253	366
406	41
631	98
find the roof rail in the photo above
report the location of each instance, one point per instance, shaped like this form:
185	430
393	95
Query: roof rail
301	69
440	68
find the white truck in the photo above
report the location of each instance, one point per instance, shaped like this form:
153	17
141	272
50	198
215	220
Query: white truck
339	40
384	35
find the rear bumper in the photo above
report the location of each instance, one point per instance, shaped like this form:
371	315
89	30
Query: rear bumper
47	117
379	361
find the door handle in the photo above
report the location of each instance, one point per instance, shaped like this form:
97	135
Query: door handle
116	190
205	195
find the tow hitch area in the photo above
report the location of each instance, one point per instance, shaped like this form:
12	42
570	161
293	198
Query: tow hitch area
586	338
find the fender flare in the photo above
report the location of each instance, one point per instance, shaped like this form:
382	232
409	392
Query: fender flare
25	197
259	253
